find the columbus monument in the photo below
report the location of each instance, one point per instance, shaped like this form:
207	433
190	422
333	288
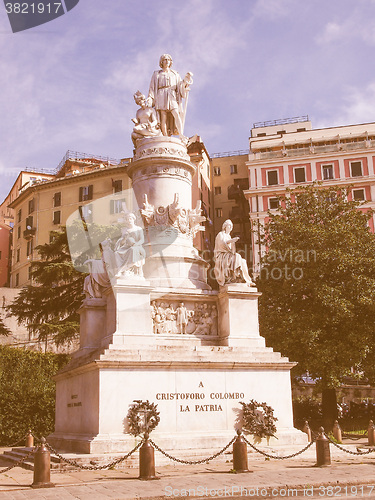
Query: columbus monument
151	326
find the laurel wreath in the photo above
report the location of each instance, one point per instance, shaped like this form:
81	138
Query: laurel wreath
258	419
139	408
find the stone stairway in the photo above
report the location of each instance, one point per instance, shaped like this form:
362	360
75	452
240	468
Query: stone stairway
13	456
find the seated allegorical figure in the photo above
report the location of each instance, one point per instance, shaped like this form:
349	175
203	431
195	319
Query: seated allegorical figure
230	267
146	121
129	252
97	282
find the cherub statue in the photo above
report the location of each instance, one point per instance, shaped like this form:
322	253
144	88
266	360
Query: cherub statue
146	122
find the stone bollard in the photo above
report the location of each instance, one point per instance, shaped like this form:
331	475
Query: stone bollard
323	455
306	429
42	467
29	440
337	434
147	460
240	454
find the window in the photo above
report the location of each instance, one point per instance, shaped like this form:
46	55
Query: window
116	206
272	177
17	279
57	199
356	168
29	248
217	190
19	232
86	193
299	174
30	271
19	215
117	186
18	254
301	129
85	212
233	169
219	212
208	170
29	222
0	254
327	172
217	171
273	203
31	206
57	217
359	194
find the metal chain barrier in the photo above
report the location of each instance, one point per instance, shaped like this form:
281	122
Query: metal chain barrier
19	462
16	443
192	462
93	467
349	451
354	436
277	457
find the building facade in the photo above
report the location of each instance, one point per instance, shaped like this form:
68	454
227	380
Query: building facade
45	206
290	153
230	180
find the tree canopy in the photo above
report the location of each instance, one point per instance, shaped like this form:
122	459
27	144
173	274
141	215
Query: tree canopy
49	305
318	284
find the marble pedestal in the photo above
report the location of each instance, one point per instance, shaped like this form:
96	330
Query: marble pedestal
134	347
197	381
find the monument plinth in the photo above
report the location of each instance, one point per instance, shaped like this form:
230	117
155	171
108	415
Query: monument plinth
159	333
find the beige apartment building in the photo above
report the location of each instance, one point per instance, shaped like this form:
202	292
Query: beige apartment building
45	206
290	153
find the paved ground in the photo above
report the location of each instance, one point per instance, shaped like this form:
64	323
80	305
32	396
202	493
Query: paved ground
348	476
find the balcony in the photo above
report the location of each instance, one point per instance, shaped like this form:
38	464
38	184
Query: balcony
29	233
312	150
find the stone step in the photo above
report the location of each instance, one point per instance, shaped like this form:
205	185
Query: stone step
15	454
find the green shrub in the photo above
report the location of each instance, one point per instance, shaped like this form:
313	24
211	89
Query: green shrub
307	408
27	392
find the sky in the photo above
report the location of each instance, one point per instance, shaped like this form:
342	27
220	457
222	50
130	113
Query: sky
69	84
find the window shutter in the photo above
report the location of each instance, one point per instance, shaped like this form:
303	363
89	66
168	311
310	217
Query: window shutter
81	193
91	192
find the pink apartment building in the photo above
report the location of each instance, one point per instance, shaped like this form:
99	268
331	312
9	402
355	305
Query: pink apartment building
290	153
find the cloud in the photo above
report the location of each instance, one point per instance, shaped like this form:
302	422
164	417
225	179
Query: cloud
356	106
272	9
332	31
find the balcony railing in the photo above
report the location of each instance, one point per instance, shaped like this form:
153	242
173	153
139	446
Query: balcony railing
313	150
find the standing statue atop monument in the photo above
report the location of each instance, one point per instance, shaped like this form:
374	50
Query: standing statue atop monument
166	93
230	267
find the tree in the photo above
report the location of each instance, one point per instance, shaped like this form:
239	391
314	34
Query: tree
4	330
49	306
318	286
27	392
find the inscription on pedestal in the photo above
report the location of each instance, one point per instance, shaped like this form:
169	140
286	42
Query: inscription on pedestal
211	400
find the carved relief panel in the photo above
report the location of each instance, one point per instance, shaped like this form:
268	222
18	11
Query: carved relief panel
190	318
